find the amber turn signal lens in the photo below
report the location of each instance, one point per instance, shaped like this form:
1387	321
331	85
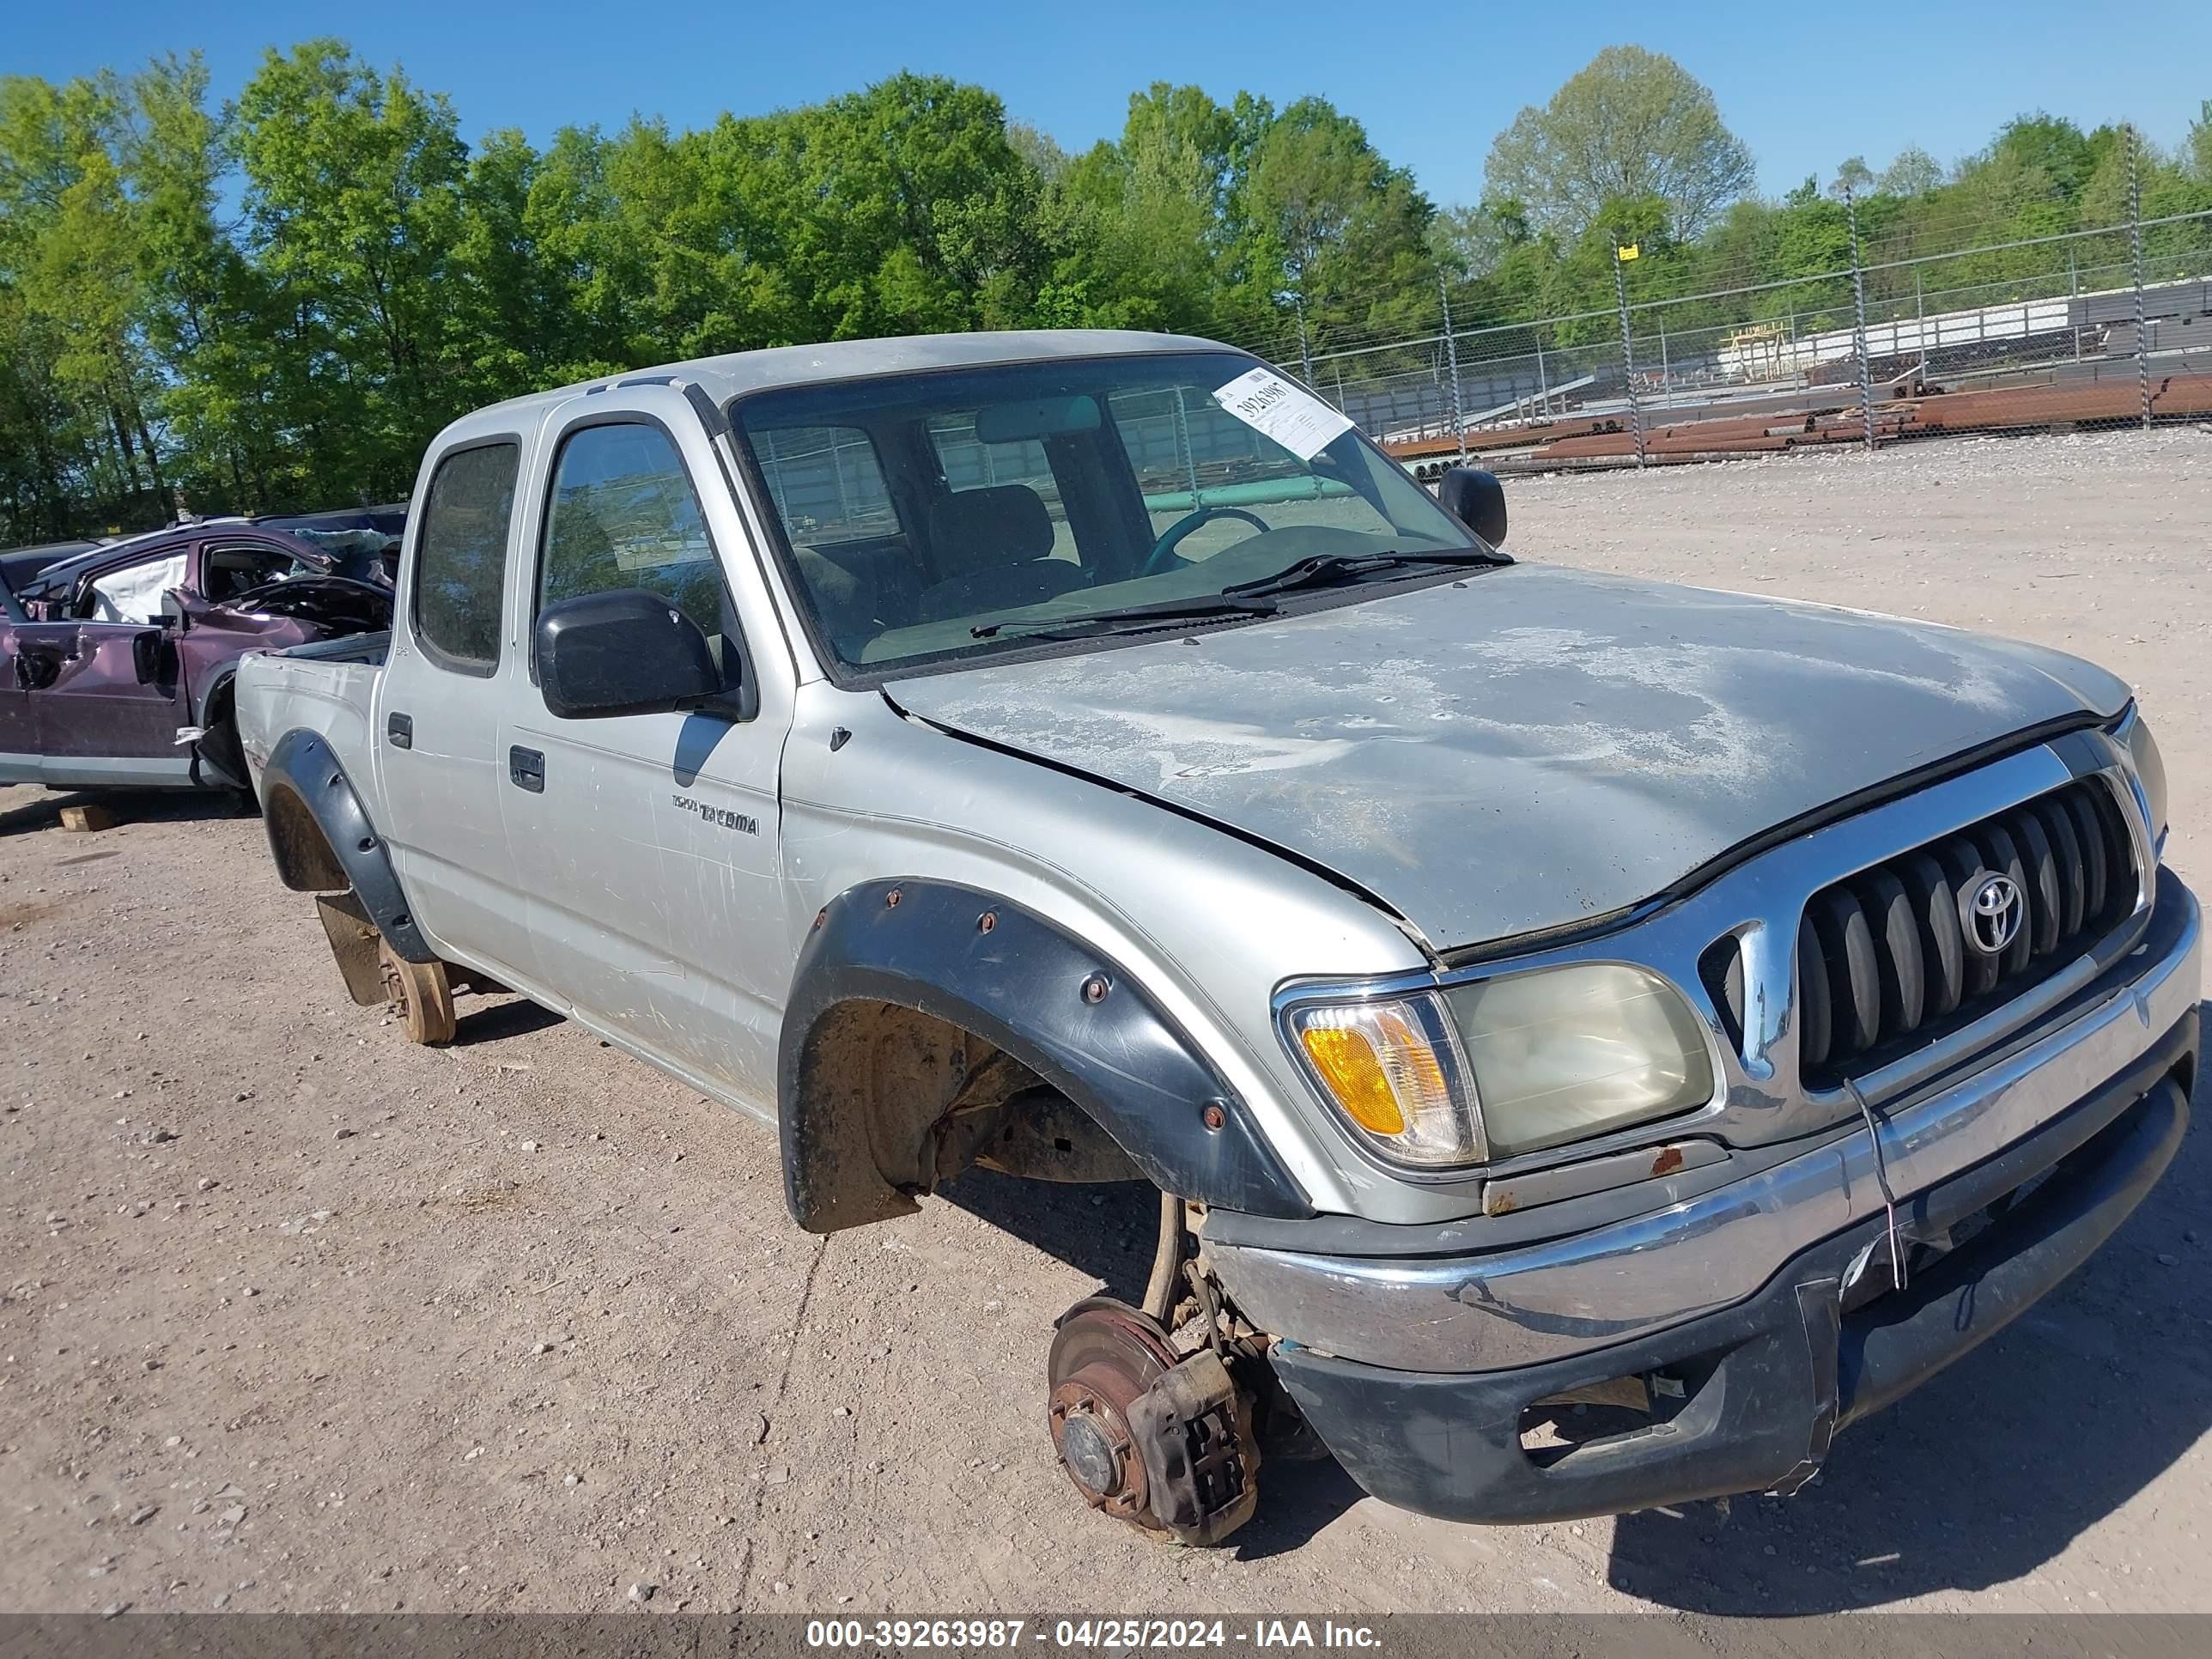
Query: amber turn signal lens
1348	1063
1385	1068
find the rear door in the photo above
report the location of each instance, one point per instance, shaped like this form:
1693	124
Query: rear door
648	842
18	726
440	770
106	700
98	700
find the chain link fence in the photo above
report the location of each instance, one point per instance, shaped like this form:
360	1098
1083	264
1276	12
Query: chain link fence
2103	327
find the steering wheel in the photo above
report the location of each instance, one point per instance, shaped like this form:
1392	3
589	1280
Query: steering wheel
1165	548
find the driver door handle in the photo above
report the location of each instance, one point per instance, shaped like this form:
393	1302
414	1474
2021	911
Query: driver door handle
525	769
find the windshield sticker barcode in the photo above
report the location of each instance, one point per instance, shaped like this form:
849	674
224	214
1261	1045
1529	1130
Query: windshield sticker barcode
1291	415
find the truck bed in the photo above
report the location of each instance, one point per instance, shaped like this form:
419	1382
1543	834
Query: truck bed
371	648
328	686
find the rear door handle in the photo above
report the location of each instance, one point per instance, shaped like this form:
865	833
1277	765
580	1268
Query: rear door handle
399	731
525	769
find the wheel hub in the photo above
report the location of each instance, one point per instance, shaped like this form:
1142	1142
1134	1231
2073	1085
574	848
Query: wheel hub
1091	1456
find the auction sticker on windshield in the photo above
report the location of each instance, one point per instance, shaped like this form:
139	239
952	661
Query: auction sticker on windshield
1275	408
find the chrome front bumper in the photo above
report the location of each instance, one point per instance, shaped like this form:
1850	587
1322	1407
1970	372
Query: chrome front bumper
1613	1283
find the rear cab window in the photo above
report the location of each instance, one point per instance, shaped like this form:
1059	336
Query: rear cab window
1181	446
826	484
460	559
968	461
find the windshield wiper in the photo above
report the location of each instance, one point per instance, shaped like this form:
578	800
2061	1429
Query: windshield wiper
1336	569
1198	610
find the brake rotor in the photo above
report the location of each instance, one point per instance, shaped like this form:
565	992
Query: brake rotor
1104	1354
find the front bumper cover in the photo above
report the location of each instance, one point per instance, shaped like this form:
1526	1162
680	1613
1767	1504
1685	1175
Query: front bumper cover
1751	1301
1598	1286
1769	1383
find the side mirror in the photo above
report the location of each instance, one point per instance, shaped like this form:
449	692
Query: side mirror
1477	499
623	652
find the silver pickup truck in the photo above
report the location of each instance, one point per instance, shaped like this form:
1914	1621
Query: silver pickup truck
1593	1041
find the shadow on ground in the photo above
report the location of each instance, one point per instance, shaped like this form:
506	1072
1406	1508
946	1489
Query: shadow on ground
480	1021
1995	1466
26	808
1105	1231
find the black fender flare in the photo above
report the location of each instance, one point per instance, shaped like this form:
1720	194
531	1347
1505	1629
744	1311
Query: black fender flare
1056	1005
323	842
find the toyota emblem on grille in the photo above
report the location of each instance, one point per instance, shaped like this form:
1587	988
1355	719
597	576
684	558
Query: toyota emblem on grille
1993	908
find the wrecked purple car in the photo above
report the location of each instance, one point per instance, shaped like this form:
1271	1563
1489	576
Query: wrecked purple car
116	661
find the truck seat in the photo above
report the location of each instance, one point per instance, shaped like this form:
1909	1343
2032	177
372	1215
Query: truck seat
993	551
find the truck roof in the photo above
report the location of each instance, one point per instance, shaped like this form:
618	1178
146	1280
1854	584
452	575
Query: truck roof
727	376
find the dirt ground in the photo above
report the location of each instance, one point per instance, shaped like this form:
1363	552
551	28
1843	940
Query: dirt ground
297	1317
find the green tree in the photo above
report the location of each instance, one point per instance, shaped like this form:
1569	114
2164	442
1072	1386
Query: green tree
1854	176
2048	145
1630	124
1330	225
68	240
353	195
1913	172
205	316
1136	227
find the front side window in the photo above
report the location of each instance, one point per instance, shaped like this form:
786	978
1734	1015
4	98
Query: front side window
227	572
975	510
462	557
622	514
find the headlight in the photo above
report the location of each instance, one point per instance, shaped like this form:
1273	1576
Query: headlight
1565	1054
1507	1065
2150	772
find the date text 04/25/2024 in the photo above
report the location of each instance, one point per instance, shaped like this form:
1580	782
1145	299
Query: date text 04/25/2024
1110	1634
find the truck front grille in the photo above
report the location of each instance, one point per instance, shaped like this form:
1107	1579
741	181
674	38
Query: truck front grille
1886	960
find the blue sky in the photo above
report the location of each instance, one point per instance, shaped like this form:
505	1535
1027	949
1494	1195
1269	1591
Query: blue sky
1805	85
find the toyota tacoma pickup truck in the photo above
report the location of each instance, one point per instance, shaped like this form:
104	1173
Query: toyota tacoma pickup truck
1592	1041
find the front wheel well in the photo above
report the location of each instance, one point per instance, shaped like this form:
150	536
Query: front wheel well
916	1003
890	1103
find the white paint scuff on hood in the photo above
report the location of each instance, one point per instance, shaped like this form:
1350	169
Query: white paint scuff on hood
1525	751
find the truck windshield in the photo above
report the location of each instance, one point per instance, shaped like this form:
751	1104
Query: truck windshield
932	518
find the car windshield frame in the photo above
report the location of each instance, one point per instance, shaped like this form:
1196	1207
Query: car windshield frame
833	402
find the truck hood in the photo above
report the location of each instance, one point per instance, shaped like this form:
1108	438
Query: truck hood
1527	749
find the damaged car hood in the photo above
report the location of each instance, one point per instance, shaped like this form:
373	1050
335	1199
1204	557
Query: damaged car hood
1528	749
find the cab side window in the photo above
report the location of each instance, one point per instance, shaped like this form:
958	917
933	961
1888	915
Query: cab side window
622	514
462	555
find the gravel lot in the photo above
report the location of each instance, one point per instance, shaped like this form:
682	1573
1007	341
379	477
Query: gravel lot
297	1317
